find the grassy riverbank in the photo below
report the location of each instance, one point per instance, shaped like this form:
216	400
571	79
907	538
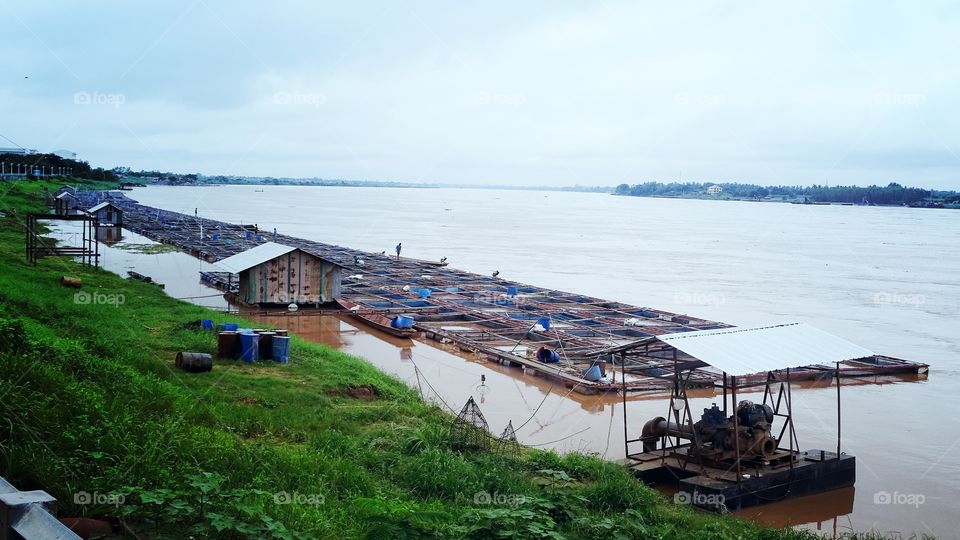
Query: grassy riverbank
97	416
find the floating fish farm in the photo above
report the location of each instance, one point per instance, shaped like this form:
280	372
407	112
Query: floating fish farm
549	333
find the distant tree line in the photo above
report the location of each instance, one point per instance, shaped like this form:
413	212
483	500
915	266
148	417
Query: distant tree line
892	194
81	169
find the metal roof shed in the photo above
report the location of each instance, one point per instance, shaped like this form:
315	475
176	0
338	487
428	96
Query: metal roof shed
273	273
745	351
107	213
737	352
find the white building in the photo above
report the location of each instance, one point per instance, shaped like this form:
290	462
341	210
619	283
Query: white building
18	151
715	189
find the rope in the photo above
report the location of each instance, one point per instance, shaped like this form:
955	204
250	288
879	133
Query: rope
558	440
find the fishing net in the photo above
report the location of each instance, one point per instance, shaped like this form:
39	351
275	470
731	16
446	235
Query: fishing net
470	429
508	440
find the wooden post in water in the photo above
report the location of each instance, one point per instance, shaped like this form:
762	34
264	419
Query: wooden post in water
838	410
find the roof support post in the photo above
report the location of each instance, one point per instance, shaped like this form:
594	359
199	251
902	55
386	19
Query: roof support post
838	410
736	427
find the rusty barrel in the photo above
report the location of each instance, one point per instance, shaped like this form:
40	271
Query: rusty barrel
266	344
194	362
228	345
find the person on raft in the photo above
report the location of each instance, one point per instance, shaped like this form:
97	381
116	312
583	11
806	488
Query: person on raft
399	247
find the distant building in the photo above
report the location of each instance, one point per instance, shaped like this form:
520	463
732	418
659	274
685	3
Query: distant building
276	274
65	154
715	189
107	214
18	151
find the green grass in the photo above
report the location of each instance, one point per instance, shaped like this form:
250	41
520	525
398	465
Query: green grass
92	404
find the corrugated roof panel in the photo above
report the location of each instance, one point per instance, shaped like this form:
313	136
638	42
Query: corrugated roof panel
252	257
744	351
101	205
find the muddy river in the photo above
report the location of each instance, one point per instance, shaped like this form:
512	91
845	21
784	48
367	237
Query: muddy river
885	278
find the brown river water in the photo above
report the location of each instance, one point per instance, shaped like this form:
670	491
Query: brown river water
885	278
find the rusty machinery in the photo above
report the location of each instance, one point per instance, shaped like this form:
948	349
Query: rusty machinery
756	435
712	436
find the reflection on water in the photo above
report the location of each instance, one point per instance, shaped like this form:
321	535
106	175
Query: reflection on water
824	513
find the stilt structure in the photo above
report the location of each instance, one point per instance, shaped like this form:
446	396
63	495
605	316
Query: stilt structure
734	456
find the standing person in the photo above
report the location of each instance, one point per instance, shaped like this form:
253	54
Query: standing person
399	247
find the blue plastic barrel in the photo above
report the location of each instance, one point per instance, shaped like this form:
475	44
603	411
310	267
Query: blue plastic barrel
228	327
424	293
245	330
207	324
512	291
544	322
259	238
249	347
248	234
402	322
547	356
281	349
592	374
215	237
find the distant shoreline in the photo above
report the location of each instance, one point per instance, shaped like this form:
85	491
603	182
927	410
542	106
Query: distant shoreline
780	201
570	189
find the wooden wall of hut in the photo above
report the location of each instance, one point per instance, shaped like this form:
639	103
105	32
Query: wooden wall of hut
294	277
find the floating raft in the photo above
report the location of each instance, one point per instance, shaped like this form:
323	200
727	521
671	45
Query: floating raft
496	319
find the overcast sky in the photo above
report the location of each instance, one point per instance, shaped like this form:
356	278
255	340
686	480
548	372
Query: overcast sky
836	92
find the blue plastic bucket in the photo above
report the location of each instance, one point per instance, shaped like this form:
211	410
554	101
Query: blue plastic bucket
228	327
281	349
402	322
512	291
249	347
207	324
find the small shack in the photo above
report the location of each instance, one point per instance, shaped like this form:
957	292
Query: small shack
107	214
65	203
275	274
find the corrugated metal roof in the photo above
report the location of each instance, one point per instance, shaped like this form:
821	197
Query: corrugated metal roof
102	205
744	351
252	257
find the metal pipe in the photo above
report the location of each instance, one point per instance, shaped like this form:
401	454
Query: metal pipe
736	426
666	427
838	410
623	390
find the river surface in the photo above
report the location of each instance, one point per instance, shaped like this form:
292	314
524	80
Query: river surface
885	278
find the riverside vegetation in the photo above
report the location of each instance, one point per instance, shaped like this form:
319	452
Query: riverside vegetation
95	414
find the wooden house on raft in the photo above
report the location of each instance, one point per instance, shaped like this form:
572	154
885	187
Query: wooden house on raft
107	214
65	204
274	274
